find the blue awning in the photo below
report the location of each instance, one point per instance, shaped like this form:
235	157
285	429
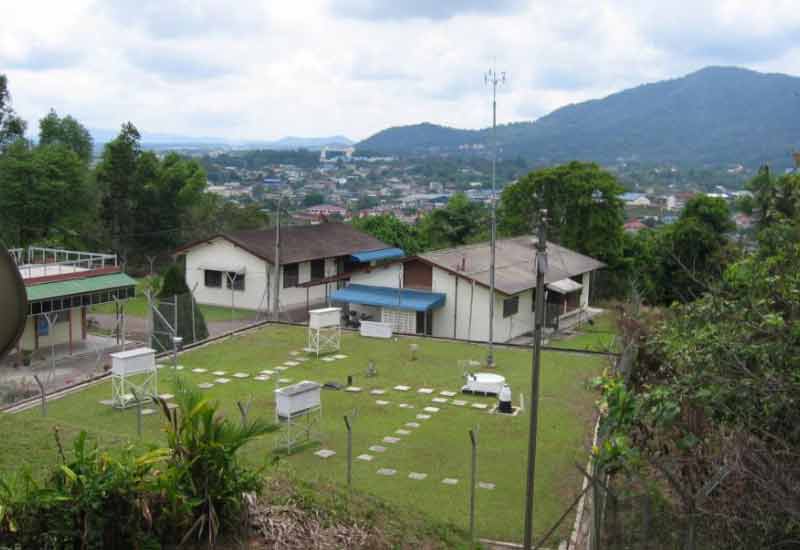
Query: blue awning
377	255
392	298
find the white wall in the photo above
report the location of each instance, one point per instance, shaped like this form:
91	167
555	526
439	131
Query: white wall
454	317
387	275
222	254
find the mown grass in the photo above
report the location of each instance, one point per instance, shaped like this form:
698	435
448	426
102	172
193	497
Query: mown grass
439	447
137	307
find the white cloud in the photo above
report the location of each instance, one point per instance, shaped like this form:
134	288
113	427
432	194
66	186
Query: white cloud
261	70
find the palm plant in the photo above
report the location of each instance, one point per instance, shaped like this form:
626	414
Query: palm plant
207	474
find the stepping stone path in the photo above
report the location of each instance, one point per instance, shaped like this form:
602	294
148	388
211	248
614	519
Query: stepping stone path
418	476
431	409
205	385
339	356
179	367
353	389
301	359
294	353
291	363
219	373
447	393
406	406
426	391
267	372
281	369
222	380
386	471
284	380
199	371
261	378
390	439
381	402
166	396
480	406
377	449
423	416
450	481
459	402
365	457
147	412
402	388
107	402
487	486
412	424
328	359
241	375
402	432
439	400
325	453
377	392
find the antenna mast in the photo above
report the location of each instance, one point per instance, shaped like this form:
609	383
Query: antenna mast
492	78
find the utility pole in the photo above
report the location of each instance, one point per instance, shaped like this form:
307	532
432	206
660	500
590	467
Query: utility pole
491	77
541	269
277	281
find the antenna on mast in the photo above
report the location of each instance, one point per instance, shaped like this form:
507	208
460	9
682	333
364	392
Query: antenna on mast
492	78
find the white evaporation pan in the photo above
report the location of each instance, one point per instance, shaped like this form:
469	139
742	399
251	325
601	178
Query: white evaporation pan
485	383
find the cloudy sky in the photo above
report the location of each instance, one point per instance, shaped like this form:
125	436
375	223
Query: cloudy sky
250	69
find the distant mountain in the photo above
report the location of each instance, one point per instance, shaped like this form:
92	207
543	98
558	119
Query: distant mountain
158	140
715	116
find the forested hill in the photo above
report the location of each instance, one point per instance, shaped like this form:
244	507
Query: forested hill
715	116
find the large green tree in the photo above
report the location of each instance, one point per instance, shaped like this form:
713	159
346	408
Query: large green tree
12	127
392	231
461	221
66	131
584	210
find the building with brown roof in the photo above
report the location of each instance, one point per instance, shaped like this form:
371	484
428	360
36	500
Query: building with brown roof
238	268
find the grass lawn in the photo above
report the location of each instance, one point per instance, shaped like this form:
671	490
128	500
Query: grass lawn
601	335
439	447
137	307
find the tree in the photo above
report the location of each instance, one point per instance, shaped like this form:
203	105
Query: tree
393	232
66	131
176	305
12	127
45	197
584	210
460	222
116	174
313	199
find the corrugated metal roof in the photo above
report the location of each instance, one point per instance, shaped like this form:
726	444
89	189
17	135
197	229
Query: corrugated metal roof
377	255
394	298
57	289
514	263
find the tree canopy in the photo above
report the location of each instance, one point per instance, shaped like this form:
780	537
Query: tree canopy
393	232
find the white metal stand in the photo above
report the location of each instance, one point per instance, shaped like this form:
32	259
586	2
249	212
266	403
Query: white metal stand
299	427
137	362
324	330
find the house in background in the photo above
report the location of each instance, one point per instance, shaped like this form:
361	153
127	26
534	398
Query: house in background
238	268
61	286
446	292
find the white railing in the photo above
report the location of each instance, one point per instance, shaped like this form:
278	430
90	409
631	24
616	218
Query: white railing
37	261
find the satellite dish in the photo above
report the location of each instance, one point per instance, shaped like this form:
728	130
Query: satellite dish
13	303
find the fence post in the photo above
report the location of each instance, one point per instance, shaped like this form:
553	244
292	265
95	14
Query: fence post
138	412
244	409
349	453
473	437
43	394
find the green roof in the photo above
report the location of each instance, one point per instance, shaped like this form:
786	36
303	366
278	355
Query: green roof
58	289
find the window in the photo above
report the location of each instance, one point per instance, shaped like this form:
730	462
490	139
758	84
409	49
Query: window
291	275
237	279
317	269
213	278
510	306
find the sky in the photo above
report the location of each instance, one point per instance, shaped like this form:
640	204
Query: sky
259	70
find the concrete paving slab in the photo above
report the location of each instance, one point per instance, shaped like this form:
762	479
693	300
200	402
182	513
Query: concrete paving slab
222	380
417	476
378	449
423	416
365	457
450	481
390	439
205	385
431	409
386	471
447	393
439	400
325	453
402	388
402	432
199	371
381	402
426	391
